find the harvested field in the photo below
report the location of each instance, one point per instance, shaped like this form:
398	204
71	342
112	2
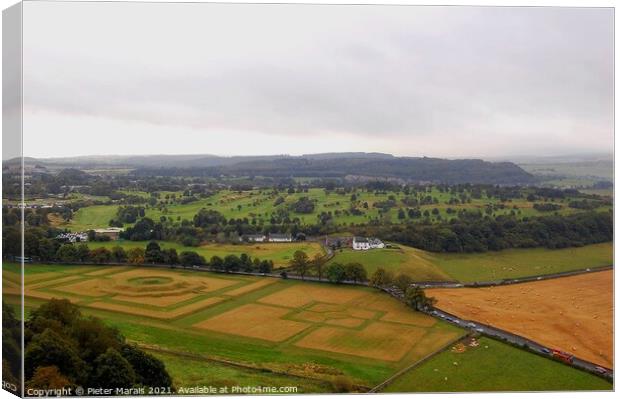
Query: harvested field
59	279
330	309
107	270
300	295
318	330
346	322
158	314
382	341
337	318
44	277
574	314
152	288
159	301
393	311
251	287
255	321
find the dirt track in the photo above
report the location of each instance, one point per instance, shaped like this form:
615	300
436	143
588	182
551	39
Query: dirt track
574	314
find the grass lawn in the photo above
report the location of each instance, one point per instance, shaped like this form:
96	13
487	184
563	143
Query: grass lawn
187	372
403	259
258	205
513	263
91	217
280	253
494	366
274	324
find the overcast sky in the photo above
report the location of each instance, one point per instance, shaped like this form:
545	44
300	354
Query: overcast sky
129	78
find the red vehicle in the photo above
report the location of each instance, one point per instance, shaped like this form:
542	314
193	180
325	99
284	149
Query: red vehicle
563	356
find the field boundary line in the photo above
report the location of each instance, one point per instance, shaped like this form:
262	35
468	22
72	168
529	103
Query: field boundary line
231	363
526	344
391	379
512	281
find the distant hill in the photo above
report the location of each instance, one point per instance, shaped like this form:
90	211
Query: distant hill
351	165
411	170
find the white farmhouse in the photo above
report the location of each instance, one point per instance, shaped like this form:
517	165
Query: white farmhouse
280	238
364	244
361	244
256	237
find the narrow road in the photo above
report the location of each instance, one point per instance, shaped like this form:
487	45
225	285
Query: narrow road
509	337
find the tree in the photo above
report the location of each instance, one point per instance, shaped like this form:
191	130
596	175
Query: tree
317	263
232	263
60	311
50	348
403	281
416	298
64	348
135	256
144	229
93	337
47	249
335	272
11	345
300	263
246	262
355	272
153	253
150	371
170	256
67	253
100	255
266	266
48	377
191	258
208	217
82	253
217	263
381	278
111	370
118	254
303	205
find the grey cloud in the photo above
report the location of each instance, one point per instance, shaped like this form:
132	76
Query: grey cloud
499	75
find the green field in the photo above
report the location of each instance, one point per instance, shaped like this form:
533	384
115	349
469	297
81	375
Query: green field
91	217
280	253
485	266
259	205
402	259
190	372
316	332
514	263
226	330
494	366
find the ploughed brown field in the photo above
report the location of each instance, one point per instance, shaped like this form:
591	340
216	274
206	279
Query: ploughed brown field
573	314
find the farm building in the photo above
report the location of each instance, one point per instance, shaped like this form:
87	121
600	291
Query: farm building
363	243
112	232
255	238
376	243
280	238
73	237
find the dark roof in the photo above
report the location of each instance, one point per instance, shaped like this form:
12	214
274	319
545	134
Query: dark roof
360	239
279	236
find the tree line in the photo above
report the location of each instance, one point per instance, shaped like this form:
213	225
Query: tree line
63	348
481	234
